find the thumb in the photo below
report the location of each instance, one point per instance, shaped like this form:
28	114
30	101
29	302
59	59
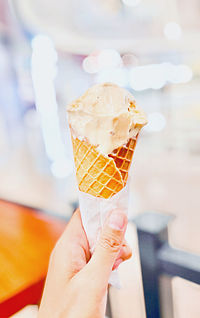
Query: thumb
109	245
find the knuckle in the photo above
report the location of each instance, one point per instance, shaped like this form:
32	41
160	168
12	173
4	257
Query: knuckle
111	242
127	252
128	255
55	254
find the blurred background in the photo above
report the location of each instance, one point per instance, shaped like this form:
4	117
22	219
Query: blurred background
50	53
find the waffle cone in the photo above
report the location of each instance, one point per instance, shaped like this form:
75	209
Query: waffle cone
99	175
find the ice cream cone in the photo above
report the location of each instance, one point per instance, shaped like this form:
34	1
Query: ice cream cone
99	175
105	122
123	157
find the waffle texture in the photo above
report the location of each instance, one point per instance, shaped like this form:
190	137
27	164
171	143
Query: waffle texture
123	157
99	175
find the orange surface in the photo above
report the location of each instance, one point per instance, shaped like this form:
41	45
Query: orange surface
27	237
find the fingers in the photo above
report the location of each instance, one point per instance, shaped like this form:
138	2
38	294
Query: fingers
74	234
71	252
109	246
124	254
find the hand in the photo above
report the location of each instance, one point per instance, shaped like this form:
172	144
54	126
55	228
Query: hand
76	284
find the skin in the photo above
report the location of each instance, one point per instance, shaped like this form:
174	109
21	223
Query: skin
76	284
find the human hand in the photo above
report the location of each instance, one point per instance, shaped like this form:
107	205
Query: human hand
76	284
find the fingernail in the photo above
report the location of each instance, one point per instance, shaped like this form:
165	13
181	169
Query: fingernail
117	220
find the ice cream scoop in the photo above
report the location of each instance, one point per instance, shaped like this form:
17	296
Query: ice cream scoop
106	116
105	123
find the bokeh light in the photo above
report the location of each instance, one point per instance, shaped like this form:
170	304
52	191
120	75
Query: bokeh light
102	60
172	31
156	122
156	76
90	64
131	3
43	71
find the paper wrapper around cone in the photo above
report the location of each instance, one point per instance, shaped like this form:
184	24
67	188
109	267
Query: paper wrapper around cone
93	214
102	182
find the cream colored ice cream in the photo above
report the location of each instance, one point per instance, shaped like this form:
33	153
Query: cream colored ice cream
106	116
